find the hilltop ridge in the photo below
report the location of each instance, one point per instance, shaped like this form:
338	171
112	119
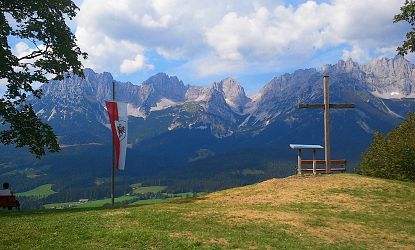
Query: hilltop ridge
327	212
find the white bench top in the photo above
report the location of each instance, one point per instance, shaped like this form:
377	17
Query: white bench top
305	146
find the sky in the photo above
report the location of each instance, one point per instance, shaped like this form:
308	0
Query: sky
250	40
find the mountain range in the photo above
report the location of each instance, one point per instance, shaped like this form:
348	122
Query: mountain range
211	137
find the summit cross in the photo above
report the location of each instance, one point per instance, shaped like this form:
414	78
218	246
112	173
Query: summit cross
326	106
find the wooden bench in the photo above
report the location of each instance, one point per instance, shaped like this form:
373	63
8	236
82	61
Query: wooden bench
338	169
9	202
314	162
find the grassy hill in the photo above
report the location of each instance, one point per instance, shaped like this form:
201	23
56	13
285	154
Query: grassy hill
41	191
324	212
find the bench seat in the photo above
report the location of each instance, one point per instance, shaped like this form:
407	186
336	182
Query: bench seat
323	169
342	161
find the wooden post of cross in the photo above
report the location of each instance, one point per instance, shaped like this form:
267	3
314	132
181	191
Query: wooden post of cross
326	106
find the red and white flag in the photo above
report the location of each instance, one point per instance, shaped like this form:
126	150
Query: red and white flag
117	112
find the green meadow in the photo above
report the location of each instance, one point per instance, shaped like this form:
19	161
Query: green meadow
139	189
340	211
41	191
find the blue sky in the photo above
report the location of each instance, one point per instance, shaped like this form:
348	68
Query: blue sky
251	41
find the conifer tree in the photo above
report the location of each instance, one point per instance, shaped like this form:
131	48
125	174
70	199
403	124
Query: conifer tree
392	156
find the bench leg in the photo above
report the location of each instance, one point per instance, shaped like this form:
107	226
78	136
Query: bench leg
314	162
299	162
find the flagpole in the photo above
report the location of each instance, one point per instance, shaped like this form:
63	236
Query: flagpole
113	157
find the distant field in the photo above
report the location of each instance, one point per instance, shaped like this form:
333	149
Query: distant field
102	202
41	191
138	189
339	211
89	204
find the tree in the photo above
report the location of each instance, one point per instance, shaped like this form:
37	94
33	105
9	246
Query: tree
392	156
407	14
40	23
375	160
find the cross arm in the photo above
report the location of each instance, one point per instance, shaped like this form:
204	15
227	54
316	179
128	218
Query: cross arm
321	106
311	106
342	106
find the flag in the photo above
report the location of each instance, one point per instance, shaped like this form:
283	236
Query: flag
117	112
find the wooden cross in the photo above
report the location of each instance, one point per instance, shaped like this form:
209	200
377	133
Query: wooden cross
326	106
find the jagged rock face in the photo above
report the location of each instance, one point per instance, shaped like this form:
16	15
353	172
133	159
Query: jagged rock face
230	89
213	112
367	86
391	78
64	99
225	109
197	93
217	105
282	95
234	94
84	98
349	67
386	78
162	86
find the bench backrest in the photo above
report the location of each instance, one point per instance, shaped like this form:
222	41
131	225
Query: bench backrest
323	161
6	201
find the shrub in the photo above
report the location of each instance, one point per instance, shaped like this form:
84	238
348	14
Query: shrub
392	156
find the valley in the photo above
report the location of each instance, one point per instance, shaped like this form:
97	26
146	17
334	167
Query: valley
206	138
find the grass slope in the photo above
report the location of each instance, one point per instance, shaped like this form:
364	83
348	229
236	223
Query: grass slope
323	212
41	191
138	189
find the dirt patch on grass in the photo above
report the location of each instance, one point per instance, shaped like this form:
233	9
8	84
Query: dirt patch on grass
217	241
373	237
192	237
248	216
183	235
116	213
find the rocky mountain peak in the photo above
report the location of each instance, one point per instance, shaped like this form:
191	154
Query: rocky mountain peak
162	79
233	93
394	67
162	86
349	66
391	78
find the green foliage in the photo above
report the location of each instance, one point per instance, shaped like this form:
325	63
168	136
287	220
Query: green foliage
407	14
392	156
42	24
40	192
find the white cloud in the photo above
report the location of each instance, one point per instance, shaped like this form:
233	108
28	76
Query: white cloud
22	49
131	66
265	34
148	21
357	54
212	66
220	36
